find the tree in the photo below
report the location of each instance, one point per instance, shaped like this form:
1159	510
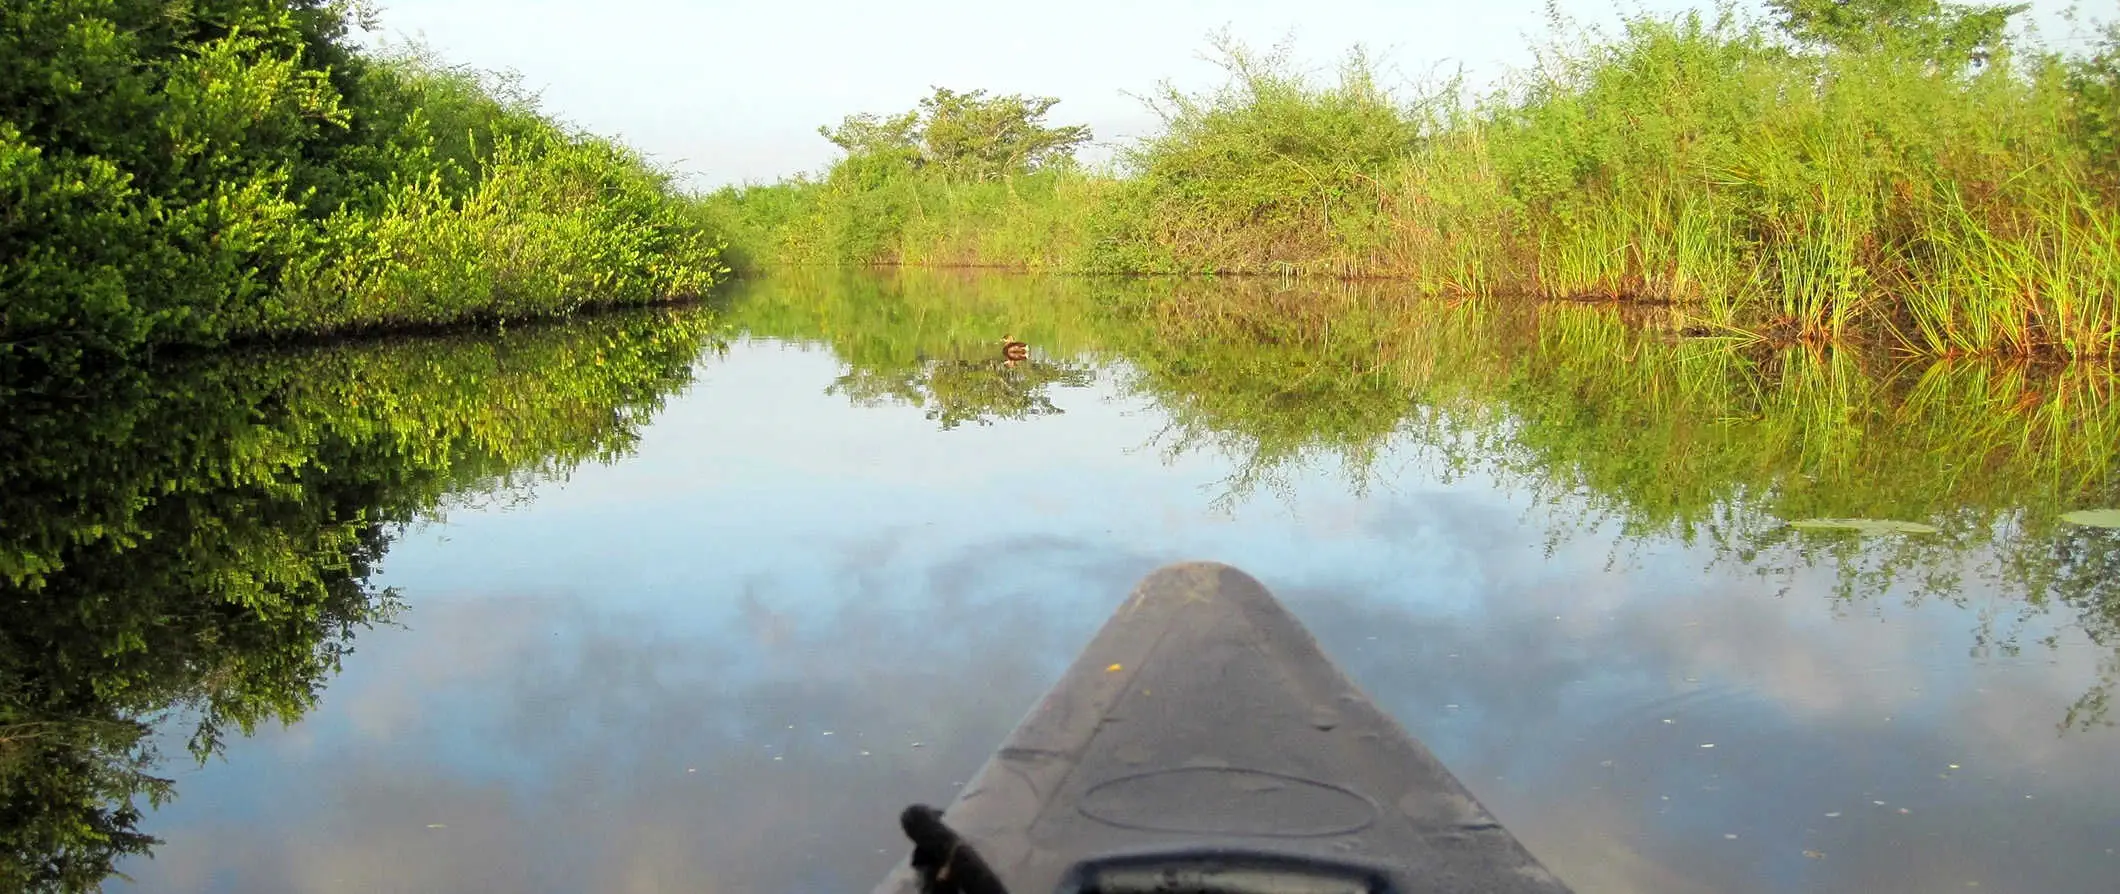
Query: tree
970	136
962	136
1949	33
867	134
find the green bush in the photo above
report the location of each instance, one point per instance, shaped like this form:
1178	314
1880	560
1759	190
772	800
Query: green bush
1269	169
193	173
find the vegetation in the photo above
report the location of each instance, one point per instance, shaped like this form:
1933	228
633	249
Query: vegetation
987	159
192	538
196	172
192	543
1894	171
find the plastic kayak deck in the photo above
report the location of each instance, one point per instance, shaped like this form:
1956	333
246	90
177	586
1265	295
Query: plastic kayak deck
1203	742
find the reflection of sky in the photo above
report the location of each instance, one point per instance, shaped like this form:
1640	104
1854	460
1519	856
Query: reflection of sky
627	683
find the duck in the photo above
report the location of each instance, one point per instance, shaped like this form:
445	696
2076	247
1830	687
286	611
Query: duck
1014	351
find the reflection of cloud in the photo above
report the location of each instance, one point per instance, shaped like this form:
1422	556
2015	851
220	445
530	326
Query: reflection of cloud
481	648
619	755
614	758
1567	668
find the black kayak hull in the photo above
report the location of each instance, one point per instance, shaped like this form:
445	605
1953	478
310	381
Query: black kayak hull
1203	732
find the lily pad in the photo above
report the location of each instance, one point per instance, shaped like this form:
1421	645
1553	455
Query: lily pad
2093	518
1863	525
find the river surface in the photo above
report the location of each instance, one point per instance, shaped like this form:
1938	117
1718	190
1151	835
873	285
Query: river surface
714	639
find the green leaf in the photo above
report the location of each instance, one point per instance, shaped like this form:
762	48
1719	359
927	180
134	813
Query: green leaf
2093	518
1863	525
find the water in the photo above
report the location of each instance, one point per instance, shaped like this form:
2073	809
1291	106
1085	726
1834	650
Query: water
715	639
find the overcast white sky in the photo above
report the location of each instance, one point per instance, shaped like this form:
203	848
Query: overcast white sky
730	92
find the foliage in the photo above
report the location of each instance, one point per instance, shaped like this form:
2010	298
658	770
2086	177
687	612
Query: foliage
1033	221
193	541
962	136
962	176
1268	166
1890	172
194	172
2094	88
1947	33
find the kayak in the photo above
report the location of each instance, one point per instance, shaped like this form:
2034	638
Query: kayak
1202	742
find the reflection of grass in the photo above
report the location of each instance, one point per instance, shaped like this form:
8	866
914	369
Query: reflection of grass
1714	441
1273	374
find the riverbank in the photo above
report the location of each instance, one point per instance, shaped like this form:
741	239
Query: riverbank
1923	183
245	172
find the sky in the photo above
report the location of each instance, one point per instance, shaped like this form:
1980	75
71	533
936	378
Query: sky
726	92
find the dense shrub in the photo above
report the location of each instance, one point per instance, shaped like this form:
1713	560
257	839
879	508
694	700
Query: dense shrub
191	172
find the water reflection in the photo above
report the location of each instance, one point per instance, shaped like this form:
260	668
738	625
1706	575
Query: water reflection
1552	547
953	391
1698	440
192	544
573	721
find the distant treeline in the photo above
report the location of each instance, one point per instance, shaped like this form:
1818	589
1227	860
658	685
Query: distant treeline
1886	170
198	171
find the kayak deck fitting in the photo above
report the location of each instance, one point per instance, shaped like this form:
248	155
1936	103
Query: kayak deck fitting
1202	742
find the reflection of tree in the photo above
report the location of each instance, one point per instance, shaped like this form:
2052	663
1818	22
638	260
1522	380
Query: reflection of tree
929	339
2081	570
195	541
953	392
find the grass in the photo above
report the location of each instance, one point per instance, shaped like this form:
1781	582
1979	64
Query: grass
1886	193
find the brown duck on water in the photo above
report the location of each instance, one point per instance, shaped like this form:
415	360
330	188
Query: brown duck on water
1014	351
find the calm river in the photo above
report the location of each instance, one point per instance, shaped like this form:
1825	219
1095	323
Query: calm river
701	611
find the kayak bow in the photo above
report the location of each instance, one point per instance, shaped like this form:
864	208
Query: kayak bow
1202	742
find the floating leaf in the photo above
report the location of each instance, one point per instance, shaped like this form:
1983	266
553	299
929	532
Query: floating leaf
1863	525
2093	518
